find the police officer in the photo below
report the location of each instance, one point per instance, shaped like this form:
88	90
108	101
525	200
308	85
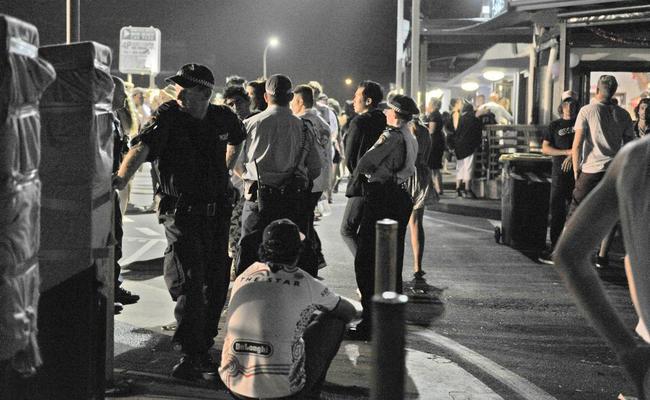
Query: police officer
279	162
387	166
193	144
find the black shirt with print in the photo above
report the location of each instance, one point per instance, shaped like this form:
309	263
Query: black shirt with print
560	135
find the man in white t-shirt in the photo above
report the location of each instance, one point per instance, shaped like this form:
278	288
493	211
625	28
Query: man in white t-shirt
284	327
601	129
501	115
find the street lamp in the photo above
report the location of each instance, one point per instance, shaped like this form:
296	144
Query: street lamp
273	42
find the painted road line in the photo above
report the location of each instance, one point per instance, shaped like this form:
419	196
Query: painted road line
140	252
148	231
442	221
494	222
516	383
126	219
436	377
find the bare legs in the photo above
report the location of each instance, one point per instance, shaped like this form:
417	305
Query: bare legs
417	240
436	179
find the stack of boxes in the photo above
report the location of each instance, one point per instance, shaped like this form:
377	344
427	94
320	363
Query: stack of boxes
23	78
77	218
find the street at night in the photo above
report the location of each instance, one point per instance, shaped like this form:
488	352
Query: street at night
332	199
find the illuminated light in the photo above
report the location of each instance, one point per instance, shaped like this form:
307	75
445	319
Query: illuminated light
493	75
437	93
469	86
274	41
348	81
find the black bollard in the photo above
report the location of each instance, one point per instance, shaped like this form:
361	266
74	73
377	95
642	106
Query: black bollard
388	366
385	256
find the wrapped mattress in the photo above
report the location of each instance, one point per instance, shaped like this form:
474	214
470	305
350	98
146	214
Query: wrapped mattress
76	164
23	78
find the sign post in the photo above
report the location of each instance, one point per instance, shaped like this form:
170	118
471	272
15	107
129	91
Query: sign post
140	51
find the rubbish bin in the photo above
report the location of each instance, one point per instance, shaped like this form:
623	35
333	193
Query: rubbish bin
525	200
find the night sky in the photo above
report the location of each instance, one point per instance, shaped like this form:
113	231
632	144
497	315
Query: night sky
324	40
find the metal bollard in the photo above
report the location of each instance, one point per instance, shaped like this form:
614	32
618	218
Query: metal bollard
388	366
385	256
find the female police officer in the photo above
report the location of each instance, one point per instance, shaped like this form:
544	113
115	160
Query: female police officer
387	165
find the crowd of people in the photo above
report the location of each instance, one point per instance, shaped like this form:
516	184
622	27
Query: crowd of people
238	182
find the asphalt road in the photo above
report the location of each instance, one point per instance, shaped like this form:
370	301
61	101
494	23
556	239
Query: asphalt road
508	320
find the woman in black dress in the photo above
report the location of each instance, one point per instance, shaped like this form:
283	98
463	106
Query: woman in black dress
433	122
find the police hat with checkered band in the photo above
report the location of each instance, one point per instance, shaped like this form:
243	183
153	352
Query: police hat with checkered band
403	105
191	75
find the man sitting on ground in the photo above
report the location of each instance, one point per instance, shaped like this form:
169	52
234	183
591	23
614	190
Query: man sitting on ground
284	327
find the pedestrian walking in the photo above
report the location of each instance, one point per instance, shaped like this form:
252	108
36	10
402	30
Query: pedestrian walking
275	346
279	163
194	143
363	131
387	165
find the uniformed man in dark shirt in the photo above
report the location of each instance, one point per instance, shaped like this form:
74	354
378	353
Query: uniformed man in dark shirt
386	167
193	144
364	130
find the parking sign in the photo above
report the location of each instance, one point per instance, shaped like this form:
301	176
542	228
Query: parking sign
139	50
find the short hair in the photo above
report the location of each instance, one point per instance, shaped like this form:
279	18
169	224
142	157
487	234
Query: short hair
575	107
317	87
607	86
233	91
645	100
306	93
373	91
235	80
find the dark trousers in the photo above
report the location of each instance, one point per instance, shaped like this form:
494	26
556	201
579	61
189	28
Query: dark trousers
197	274
119	235
380	201
350	223
322	338
254	222
585	183
312	235
562	186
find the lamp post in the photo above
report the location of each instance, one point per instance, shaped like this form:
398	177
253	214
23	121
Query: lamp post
273	42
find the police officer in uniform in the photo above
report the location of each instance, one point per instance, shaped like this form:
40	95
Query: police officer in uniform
387	166
193	144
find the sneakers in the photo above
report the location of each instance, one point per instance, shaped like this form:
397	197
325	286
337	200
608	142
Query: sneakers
125	297
469	194
359	333
117	308
192	368
546	258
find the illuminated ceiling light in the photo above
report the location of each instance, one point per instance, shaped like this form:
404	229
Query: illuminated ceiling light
274	41
493	75
469	86
348	81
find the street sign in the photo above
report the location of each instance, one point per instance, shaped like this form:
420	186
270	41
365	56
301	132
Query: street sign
139	50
